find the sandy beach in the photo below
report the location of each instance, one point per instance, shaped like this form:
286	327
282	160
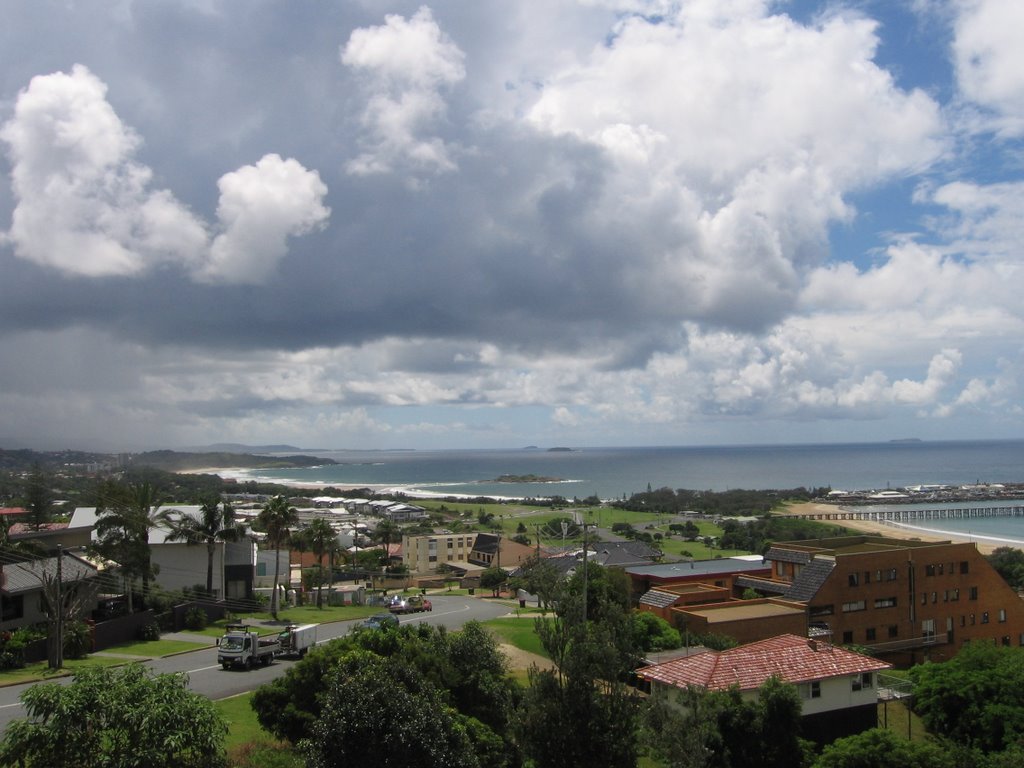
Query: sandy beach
986	544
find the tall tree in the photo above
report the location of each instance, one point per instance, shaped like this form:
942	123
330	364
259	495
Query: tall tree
38	498
580	713
125	514
320	536
385	533
277	518
215	524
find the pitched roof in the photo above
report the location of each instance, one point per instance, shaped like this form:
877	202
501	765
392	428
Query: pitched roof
658	599
807	583
791	658
28	576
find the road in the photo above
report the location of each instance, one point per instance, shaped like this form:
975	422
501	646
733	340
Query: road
207	677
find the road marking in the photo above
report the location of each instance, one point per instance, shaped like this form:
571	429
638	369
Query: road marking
15	704
201	669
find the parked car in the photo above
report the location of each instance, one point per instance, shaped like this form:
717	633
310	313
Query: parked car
379	621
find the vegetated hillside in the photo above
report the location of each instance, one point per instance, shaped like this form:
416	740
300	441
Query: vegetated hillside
24	460
727	503
175	461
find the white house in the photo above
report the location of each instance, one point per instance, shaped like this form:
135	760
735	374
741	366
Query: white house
838	688
180	565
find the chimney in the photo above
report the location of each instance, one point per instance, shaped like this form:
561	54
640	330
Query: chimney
812	644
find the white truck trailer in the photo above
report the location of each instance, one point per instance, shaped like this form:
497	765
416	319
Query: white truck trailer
297	639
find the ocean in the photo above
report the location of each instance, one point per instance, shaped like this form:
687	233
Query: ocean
611	473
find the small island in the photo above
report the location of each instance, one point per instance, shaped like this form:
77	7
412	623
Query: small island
559	448
525	479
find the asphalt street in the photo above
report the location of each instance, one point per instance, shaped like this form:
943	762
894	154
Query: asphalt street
208	678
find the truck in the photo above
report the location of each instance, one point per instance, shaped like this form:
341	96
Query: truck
242	646
411	604
297	639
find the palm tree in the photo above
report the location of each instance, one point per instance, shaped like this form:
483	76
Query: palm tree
277	519
125	514
320	536
215	523
386	532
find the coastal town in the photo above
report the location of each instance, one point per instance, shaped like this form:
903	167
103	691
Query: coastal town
841	603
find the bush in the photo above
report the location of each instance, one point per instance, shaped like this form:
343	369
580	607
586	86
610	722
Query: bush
150	631
196	619
77	640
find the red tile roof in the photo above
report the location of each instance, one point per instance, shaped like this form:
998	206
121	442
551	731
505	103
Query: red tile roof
792	658
12	511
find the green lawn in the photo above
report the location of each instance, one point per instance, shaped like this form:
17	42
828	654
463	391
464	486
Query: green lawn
518	632
39	671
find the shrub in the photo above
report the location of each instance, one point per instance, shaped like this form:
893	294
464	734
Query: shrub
196	618
77	640
150	631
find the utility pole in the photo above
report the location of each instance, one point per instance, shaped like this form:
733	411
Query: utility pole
59	650
585	558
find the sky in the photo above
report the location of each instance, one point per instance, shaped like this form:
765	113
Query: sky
484	224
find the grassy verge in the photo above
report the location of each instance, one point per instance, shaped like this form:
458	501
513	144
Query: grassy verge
152	649
247	744
39	671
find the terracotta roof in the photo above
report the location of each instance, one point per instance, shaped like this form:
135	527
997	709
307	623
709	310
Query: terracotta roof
792	658
12	511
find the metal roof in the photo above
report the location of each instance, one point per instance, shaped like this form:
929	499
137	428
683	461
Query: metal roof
19	578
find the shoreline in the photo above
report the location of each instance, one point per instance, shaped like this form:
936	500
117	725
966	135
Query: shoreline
986	544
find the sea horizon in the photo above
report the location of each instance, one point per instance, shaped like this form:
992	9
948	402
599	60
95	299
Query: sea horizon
614	472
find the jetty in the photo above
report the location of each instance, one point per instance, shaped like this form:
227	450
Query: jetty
912	515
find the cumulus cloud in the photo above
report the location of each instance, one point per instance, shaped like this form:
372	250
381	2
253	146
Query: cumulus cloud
990	61
409	64
260	206
87	208
715	111
84	206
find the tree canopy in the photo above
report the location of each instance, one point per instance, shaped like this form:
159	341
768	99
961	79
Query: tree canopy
974	699
116	718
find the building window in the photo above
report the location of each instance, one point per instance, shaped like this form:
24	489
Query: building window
853	579
810	690
972	619
984	617
1005	640
432	559
929	570
894	631
847	636
891	576
964	567
963	621
14	607
942	569
935	597
974	593
955	596
862	681
878	575
867	577
869	634
924	598
1002	615
885	602
822	610
857	605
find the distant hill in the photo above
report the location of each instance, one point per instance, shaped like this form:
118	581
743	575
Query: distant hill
175	461
170	461
241	448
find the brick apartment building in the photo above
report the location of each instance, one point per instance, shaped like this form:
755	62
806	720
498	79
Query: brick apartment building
905	600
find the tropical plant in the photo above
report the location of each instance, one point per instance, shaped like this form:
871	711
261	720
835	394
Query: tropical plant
277	518
125	514
215	523
320	535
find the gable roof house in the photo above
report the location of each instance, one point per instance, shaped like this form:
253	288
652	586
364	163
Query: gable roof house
22	584
838	688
